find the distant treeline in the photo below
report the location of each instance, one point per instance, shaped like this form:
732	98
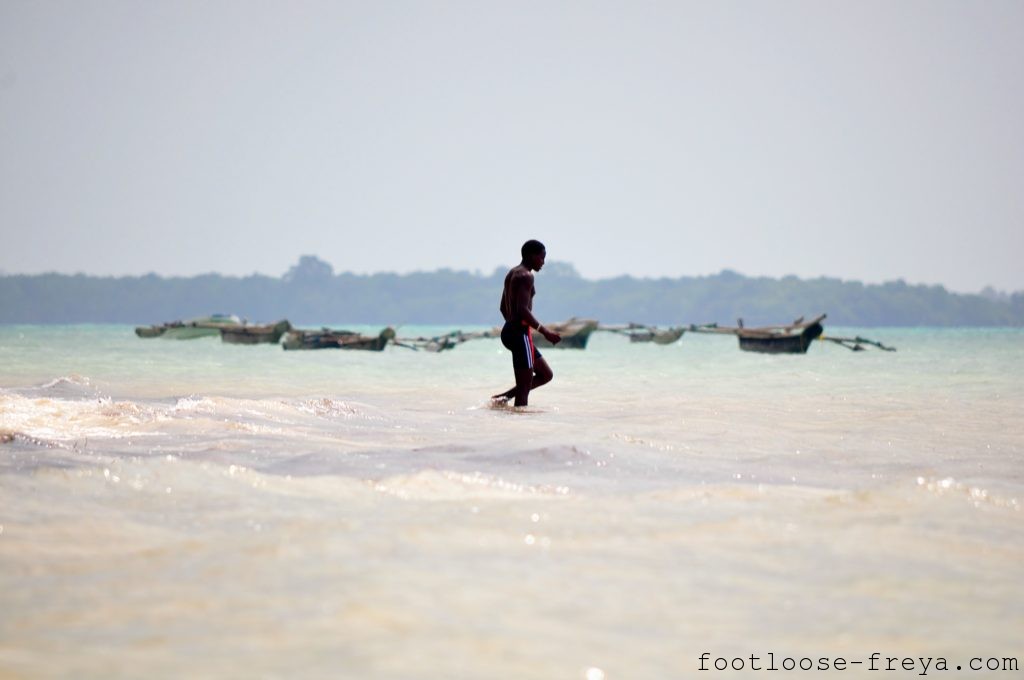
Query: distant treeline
311	293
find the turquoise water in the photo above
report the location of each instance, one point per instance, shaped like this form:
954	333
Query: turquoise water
184	507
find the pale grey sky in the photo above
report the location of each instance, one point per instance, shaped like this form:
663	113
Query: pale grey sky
864	140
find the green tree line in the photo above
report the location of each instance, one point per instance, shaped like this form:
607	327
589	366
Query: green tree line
311	293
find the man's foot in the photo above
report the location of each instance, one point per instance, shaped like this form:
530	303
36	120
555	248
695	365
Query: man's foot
500	403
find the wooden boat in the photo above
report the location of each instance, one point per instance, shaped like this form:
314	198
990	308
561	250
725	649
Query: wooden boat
658	337
638	332
150	331
255	335
327	338
372	343
794	338
667	337
188	330
575	333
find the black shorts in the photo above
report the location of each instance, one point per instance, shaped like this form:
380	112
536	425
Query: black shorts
518	339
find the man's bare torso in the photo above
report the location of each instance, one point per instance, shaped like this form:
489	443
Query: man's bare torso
517	295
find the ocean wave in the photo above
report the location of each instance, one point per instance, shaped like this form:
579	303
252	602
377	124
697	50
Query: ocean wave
780	494
12	437
450	485
129	410
740	492
328	408
73	386
73	379
545	457
640	441
54	419
256	428
976	496
194	404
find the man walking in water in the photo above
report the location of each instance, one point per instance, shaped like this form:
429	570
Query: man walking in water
517	308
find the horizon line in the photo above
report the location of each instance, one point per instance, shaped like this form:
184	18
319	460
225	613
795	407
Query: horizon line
991	289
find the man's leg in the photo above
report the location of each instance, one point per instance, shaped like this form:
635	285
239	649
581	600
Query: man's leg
524	383
531	370
506	395
542	373
528	380
542	376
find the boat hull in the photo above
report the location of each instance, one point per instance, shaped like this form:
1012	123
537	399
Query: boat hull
576	341
255	335
797	343
206	326
657	337
668	337
304	340
190	332
366	344
575	335
338	340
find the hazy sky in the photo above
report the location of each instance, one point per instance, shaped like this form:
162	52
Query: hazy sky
860	139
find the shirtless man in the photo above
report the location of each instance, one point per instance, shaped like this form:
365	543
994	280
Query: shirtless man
517	308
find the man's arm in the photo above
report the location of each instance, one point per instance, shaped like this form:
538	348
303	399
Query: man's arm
522	289
504	308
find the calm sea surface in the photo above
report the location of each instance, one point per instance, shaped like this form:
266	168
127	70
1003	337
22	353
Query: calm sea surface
194	509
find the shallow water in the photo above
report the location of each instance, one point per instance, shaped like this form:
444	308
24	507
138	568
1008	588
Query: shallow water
174	508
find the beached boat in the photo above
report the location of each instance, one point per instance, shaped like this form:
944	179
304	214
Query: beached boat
255	334
192	328
575	333
326	338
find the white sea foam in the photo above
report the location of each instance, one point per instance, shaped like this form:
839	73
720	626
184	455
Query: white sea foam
329	408
65	380
447	485
195	404
63	419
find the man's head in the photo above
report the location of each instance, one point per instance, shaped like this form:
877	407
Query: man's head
534	253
